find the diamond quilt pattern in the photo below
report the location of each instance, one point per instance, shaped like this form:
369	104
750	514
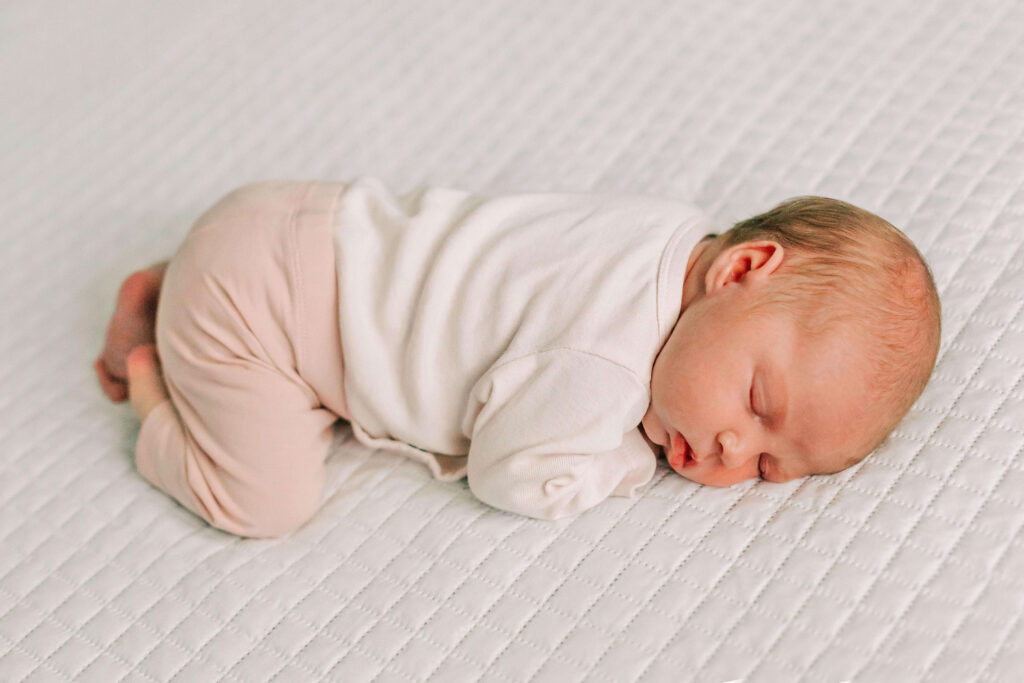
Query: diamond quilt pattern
122	121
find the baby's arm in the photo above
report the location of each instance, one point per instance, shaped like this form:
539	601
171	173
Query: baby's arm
558	434
556	485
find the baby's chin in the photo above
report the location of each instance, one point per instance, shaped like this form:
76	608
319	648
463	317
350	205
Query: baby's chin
718	477
692	476
685	475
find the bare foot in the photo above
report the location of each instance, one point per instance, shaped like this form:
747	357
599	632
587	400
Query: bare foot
133	324
146	388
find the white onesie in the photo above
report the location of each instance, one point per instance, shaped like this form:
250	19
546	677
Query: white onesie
510	339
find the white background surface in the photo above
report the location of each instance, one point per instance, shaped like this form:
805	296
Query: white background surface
121	121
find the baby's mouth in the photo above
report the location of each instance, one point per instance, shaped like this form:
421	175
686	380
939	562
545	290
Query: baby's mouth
681	455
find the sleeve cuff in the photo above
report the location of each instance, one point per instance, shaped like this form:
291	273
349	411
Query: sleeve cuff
642	464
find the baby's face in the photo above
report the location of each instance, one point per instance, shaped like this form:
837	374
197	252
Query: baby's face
736	395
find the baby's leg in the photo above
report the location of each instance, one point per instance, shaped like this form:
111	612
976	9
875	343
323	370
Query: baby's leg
242	440
131	325
240	445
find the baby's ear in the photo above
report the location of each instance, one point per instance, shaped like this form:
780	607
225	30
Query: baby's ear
748	262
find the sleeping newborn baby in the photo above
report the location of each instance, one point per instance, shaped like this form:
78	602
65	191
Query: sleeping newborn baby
548	347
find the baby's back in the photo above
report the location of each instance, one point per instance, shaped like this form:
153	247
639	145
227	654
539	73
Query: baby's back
439	286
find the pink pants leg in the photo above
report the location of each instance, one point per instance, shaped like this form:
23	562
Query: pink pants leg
247	333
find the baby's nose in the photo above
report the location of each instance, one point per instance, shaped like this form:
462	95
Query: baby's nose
727	442
732	448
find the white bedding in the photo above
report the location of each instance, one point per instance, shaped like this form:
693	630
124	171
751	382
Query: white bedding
121	121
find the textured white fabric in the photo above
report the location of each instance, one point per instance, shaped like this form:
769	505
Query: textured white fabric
554	434
121	121
518	330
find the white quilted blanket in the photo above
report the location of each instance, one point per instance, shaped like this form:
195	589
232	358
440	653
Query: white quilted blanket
121	121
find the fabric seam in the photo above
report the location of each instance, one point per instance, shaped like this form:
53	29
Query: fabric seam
297	279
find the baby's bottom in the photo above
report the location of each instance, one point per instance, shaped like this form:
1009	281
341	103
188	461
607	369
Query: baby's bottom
248	338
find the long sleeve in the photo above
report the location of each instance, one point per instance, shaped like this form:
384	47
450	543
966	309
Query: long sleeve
557	433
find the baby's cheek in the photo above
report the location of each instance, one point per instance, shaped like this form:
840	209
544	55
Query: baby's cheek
655	448
652	428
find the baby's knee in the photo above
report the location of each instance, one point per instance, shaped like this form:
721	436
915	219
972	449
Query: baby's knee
279	506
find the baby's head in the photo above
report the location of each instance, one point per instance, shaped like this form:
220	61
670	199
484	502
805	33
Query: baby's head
805	335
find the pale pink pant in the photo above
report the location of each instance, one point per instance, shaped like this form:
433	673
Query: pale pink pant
247	334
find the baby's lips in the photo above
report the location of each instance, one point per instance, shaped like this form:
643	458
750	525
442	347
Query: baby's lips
678	444
681	455
677	453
